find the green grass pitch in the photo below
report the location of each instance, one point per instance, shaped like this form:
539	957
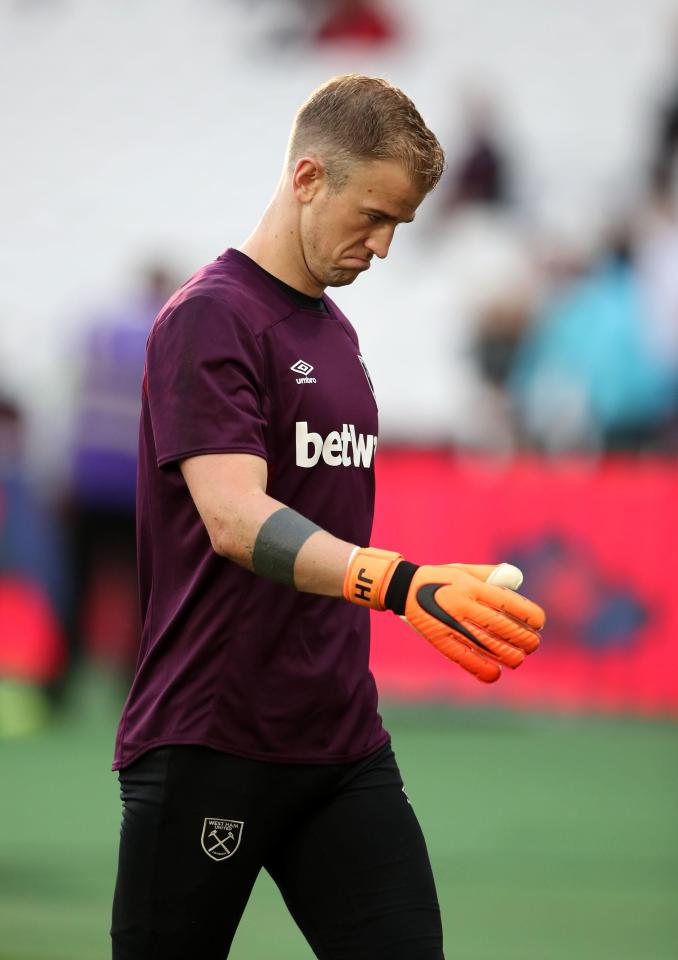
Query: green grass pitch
551	838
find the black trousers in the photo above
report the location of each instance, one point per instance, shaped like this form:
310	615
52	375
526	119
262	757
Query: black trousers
341	841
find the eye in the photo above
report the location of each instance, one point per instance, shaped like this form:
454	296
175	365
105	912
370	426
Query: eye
373	217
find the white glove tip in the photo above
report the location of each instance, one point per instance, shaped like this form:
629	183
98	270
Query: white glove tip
506	575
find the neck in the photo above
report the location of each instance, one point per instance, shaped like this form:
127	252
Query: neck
275	244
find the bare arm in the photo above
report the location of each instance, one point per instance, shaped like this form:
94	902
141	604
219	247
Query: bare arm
480	625
258	532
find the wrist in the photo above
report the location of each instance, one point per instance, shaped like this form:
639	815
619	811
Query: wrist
398	587
368	576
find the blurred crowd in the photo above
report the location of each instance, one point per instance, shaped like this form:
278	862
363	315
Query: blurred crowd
573	350
575	347
367	23
67	566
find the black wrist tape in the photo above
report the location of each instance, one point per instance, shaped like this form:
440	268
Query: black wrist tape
398	588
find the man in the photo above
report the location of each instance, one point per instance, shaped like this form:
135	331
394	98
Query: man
251	735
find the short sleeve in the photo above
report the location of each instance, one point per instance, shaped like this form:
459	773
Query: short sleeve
205	383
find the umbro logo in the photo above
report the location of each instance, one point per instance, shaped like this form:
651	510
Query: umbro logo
304	369
301	367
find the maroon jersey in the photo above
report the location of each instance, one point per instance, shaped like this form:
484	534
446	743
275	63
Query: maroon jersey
235	364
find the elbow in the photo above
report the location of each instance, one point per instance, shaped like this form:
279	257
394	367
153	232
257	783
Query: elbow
221	540
220	546
223	547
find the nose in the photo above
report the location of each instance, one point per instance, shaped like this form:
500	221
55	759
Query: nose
380	239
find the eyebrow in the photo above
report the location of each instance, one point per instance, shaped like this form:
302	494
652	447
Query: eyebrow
386	216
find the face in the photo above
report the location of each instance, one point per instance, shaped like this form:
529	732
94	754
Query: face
341	230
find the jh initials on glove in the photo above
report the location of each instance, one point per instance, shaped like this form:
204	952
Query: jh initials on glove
480	625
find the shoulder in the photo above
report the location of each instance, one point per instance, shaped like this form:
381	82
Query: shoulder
223	295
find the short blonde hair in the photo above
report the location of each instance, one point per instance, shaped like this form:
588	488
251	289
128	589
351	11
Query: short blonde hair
352	117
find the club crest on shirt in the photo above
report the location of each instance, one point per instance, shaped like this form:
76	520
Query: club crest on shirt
221	838
367	375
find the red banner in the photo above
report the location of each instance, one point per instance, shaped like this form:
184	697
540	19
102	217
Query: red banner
598	546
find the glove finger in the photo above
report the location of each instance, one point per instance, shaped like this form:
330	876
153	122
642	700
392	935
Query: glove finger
484	668
506	628
503	574
506	575
515	604
481	571
509	655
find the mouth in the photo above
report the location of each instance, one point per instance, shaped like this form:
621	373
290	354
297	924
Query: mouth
358	263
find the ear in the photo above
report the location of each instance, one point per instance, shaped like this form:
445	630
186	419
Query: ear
307	178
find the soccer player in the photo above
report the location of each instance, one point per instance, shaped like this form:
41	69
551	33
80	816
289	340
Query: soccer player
251	737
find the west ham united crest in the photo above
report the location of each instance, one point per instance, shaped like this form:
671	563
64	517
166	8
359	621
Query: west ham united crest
367	375
221	838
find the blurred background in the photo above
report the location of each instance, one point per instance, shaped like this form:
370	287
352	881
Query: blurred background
523	342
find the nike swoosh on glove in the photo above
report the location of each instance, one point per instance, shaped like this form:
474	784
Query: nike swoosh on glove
468	612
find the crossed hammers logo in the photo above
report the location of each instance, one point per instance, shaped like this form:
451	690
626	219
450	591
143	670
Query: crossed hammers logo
224	837
220	843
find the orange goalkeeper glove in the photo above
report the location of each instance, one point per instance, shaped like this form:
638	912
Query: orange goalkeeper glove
466	611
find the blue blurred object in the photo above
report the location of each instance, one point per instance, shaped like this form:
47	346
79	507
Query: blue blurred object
31	543
33	588
586	375
584	606
107	421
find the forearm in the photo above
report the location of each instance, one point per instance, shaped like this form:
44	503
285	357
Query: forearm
465	611
263	535
290	549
